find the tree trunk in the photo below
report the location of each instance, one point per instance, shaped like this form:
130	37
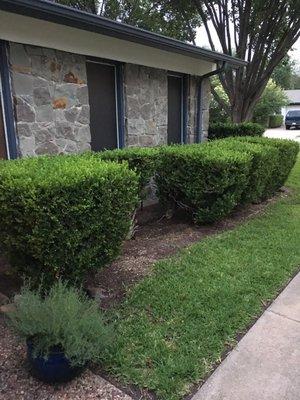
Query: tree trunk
242	112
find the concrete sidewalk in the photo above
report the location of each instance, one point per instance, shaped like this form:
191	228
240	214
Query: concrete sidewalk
265	365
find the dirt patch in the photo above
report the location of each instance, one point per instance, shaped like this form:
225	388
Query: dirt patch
156	238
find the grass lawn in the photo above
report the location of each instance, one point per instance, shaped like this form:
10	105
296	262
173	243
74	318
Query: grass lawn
175	325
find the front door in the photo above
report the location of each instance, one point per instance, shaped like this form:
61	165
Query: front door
103	106
3	151
175	109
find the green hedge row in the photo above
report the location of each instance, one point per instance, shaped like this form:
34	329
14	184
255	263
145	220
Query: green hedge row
63	215
205	180
223	130
211	179
259	185
287	153
141	160
275	121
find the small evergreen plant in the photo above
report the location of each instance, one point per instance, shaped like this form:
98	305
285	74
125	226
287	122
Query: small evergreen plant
63	318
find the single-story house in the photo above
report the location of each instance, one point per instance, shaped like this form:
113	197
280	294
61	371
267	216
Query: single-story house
72	81
294	101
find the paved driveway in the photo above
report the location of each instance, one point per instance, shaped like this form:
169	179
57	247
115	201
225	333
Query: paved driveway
282	133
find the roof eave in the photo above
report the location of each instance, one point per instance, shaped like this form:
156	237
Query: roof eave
59	14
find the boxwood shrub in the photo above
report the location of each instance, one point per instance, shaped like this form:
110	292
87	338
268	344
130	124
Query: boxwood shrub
222	130
63	215
205	180
275	121
263	161
283	164
142	160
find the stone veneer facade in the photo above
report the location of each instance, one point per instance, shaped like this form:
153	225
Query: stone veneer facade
52	107
51	100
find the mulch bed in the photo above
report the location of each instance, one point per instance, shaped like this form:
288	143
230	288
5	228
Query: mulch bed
156	237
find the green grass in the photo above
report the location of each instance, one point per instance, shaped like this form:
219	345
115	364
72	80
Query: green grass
175	325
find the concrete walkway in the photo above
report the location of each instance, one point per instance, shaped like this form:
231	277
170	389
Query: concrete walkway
265	365
282	133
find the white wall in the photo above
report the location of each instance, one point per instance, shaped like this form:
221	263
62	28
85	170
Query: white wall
27	30
284	110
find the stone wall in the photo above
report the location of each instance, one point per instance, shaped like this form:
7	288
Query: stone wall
206	97
146	105
51	100
52	107
192	108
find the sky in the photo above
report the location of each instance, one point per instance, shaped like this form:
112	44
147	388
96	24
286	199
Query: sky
202	41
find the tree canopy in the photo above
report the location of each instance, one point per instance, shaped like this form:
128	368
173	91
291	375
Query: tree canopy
271	101
283	74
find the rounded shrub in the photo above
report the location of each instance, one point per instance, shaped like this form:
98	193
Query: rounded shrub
142	160
63	215
263	161
222	130
275	121
205	180
283	164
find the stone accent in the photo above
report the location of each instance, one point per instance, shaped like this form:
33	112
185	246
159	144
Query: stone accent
51	100
192	108
146	105
206	97
52	106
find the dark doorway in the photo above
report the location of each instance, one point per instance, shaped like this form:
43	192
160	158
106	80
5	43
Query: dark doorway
175	109
3	151
103	106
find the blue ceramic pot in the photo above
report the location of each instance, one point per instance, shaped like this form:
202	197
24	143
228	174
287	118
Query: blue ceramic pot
55	369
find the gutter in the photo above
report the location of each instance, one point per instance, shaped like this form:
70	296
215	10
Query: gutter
59	14
199	124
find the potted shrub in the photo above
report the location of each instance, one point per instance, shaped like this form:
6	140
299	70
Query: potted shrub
64	331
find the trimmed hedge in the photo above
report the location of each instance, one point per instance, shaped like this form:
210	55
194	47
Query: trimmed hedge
63	215
275	121
206	180
210	180
142	160
283	164
262	167
222	130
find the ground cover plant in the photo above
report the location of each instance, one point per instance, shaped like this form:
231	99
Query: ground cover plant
175	325
64	215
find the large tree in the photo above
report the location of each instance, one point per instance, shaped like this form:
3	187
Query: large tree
175	18
283	74
91	6
259	31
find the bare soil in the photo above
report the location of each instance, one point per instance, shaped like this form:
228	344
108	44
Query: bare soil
156	237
